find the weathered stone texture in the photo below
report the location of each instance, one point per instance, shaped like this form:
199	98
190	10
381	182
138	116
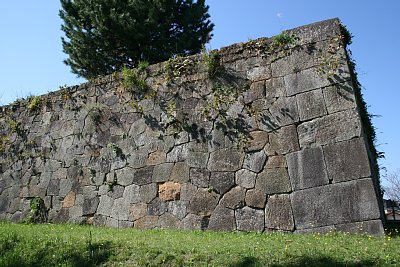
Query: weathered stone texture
346	202
347	160
274	141
307	168
278	213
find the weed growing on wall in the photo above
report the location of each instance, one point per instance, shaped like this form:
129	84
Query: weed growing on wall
132	81
211	61
38	212
34	103
366	117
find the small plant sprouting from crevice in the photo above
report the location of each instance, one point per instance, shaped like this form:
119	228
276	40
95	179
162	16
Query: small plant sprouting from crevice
95	115
177	66
117	150
131	80
4	142
212	62
111	184
34	103
143	65
38	212
281	45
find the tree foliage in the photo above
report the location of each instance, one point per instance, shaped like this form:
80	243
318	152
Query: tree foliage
102	36
392	191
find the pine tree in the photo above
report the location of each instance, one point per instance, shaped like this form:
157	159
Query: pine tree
103	36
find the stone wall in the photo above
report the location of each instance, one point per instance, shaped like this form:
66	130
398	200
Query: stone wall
257	136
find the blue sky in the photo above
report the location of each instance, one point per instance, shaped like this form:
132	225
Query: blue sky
31	53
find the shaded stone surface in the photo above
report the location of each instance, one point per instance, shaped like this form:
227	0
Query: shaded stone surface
203	202
257	141
234	198
278	213
341	203
255	161
222	219
222	181
311	105
307	168
225	160
347	160
255	198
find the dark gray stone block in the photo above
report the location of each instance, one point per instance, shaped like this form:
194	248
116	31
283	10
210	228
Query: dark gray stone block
305	80
180	173
157	207
222	219
373	227
143	176
255	161
234	198
273	181
278	213
284	111
200	177
249	219
282	141
339	97
341	203
225	160
90	206
203	202
148	192
311	105
162	172
307	168
255	198
222	181
347	160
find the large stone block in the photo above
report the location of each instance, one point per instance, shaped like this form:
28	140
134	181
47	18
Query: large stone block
120	209
249	219
222	219
203	202
339	97
311	105
373	227
234	198
307	168
273	181
197	159
332	128
193	222
257	141
278	213
147	222
168	221
125	176
105	205
180	173
255	161
162	172
255	198
143	176
341	203
245	178
282	141
225	160
284	111
222	181
137	211
178	208
347	160
132	194
200	177
305	80
90	206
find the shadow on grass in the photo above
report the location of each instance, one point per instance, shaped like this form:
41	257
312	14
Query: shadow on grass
94	255
324	261
304	261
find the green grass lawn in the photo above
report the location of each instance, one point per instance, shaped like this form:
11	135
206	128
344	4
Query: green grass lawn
73	245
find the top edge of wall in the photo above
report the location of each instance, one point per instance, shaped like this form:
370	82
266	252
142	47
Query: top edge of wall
310	33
